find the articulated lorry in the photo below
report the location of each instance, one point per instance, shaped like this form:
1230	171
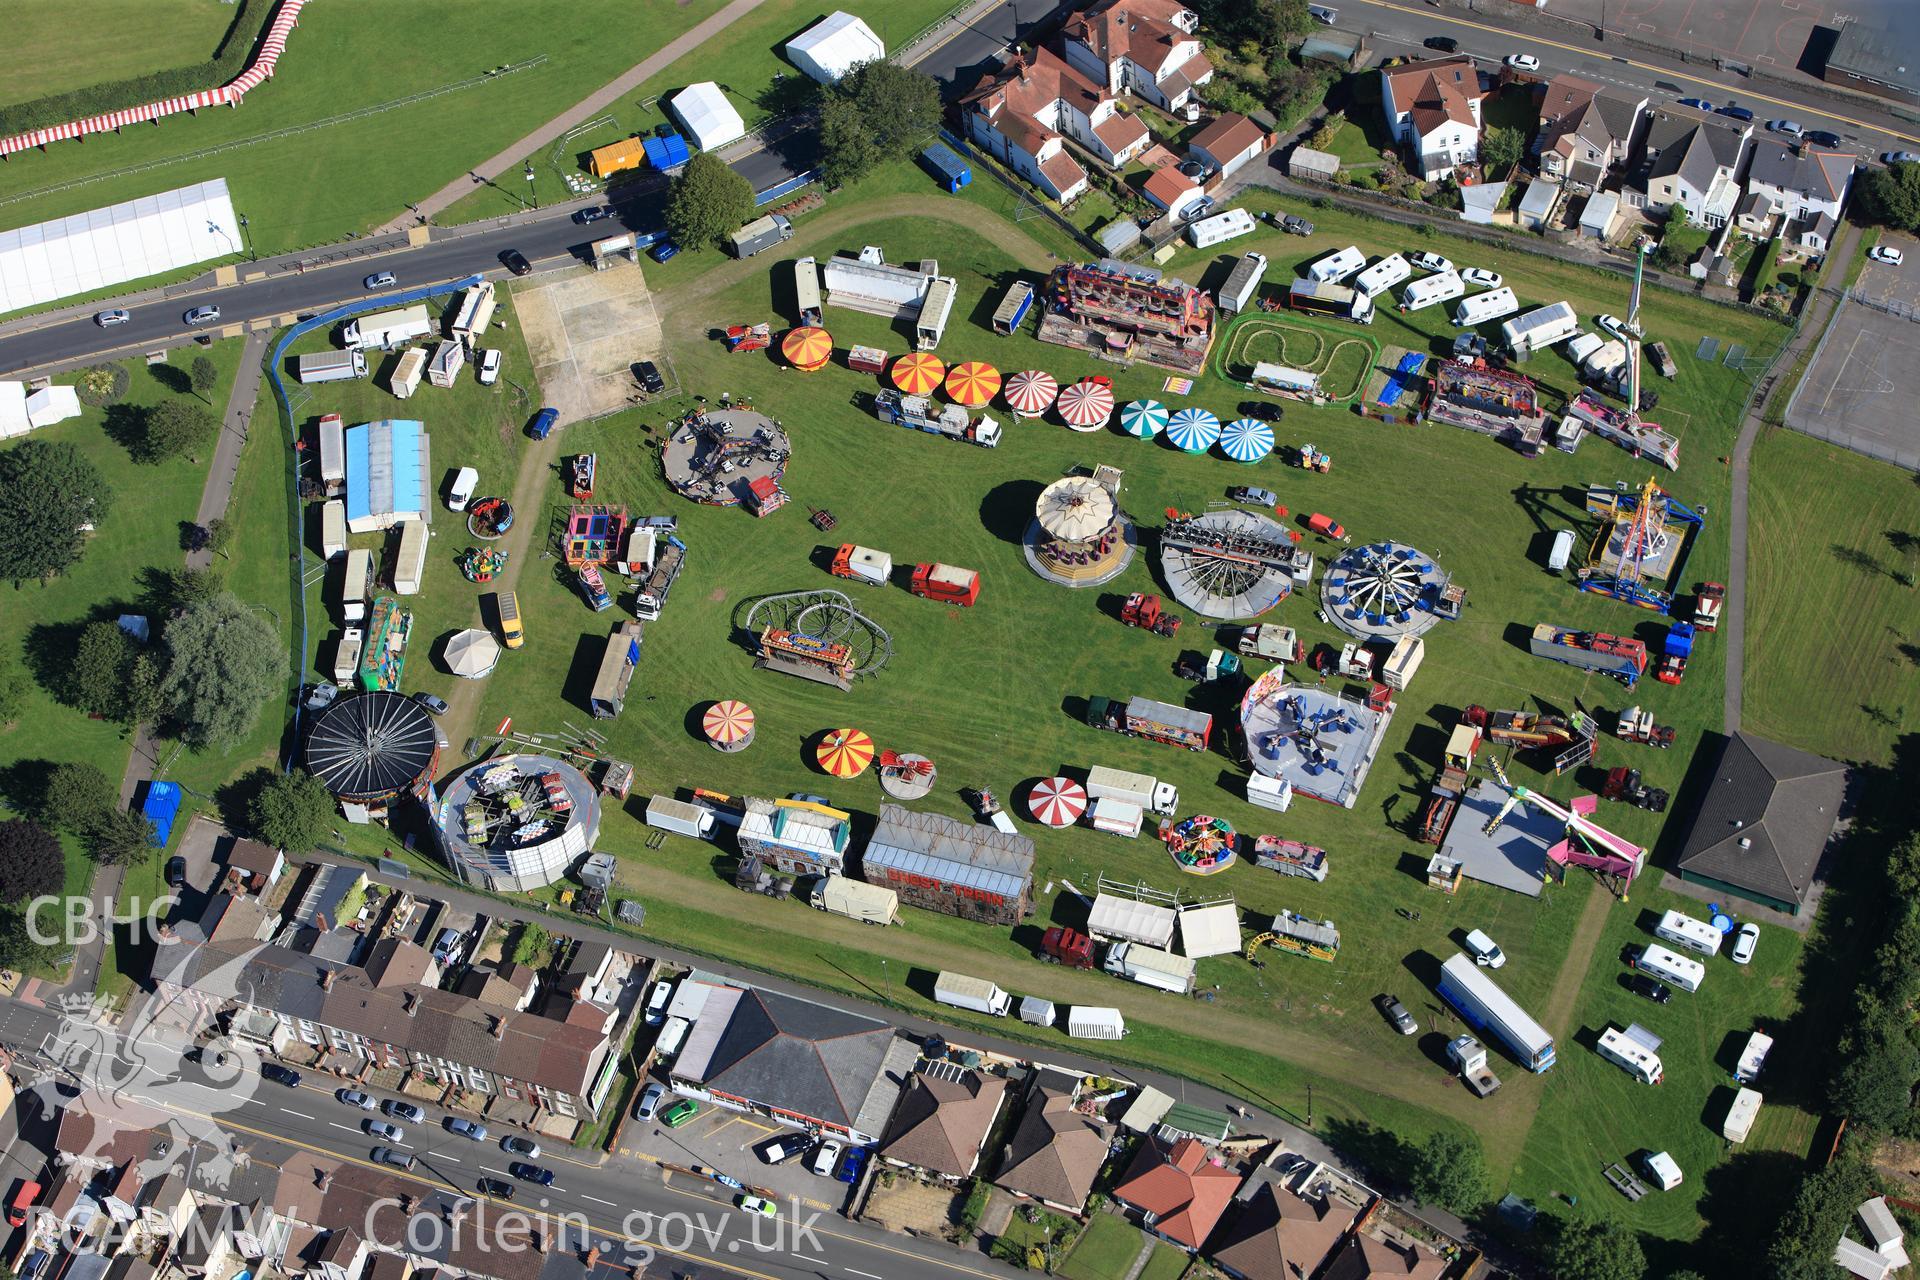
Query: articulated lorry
950	420
1486	1008
1154	721
977	994
857	900
1622	658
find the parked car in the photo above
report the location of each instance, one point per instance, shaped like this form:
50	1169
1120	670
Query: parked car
1322	14
496	1188
1733	112
1887	254
383	1129
176	871
1523	62
657	1001
467	1129
852	1165
1396	1013
1481	278
1197	210
1822	138
1442	44
489	366
781	1147
593	213
516	262
1698	104
431	702
387	1155
404	1111
1295	225
758	1204
280	1075
648	375
530	1173
679	1113
107	319
1254	497
1429	262
380	280
1264	410
1790	128
203	315
1744	942
354	1098
1900	157
662	250
1614	325
825	1157
514	1144
543	423
1649	988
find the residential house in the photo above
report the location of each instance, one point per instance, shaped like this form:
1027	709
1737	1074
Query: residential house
1148	48
510	986
1763	823
1365	1257
1689	162
1433	110
943	1120
1024	113
1585	130
1804	187
1277	1234
1181	1190
1171	190
1055	1152
1228	142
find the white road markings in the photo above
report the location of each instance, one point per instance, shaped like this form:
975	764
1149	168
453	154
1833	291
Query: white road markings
303	1115
868	1274
597	1200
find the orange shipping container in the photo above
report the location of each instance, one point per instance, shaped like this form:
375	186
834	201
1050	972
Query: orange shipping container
628	153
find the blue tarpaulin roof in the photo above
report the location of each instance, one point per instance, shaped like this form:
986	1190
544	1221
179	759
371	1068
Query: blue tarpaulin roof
386	473
669	152
162	802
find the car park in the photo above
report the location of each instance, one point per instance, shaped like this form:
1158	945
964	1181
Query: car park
1790	128
680	1113
1442	44
1429	262
1481	278
432	702
1886	254
1649	988
1822	138
530	1173
1744	942
516	262
758	1204
1396	1013
592	213
354	1098
1523	62
404	1111
107	319
1900	157
825	1157
1733	112
176	871
388	1156
380	280
489	366
467	1129
514	1144
1254	497
383	1129
781	1147
496	1188
279	1075
203	315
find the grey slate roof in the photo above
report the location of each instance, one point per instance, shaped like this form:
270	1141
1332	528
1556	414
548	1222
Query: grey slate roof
1816	175
1781	801
786	1053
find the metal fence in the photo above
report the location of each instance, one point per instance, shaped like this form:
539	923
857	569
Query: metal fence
1886	306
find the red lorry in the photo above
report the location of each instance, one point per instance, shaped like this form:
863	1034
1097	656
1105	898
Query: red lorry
944	582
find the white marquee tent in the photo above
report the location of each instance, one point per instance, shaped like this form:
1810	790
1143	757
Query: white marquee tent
21	411
706	115
122	242
834	46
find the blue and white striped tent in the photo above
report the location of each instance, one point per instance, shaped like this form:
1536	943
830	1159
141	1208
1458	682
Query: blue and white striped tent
1193	431
1246	440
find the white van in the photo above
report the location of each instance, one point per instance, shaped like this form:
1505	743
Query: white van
465	481
1336	267
1485	951
672	1036
1670	966
1684	931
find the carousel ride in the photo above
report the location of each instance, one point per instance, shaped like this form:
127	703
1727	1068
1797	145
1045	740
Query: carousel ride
1202	845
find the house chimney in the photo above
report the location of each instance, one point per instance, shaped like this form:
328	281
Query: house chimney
1746	842
497	1026
410	1002
326	979
322	1178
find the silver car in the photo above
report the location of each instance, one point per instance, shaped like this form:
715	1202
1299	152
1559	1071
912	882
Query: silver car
203	315
107	319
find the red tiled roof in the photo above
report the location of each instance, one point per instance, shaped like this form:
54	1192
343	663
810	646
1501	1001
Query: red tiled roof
1120	132
1063	171
1228	135
1024	86
1185	1191
1141	30
1435	92
1167	185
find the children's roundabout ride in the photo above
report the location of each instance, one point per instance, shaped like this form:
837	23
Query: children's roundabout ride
1202	845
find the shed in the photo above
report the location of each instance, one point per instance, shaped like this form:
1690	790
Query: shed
1118	236
1171	190
1305	162
1146	1109
834	46
949	168
162	802
1537	205
1228	142
1481	201
1764	822
1212	930
706	115
1597	220
628	153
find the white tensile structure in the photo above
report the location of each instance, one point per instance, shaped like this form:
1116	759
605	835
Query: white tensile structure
21	411
121	242
834	46
707	116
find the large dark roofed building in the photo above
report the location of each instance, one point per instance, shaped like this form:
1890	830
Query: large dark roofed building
1763	823
1876	60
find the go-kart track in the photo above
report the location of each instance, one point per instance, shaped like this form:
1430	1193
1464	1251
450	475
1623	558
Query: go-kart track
1344	363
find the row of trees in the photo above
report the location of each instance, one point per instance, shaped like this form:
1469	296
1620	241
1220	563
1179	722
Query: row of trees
1890	197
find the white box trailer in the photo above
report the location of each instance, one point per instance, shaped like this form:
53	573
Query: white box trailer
1243	282
1753	1056
1142	789
333	528
1540	328
1116	817
1091	1023
1382	275
1582	345
1220	228
406	375
1741	1115
935	309
1119	919
1482	307
1403	661
1486	1008
1444	287
1683	930
449	358
977	994
1336	267
388	328
679	817
858	900
1037	1011
1150	967
356	584
346	656
473	314
1671	966
1561	553
333	452
332	366
411	562
1281	380
1630	1055
1269	793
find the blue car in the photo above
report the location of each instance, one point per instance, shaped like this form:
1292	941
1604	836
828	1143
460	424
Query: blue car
543	423
530	1173
662	251
1735	113
851	1165
1698	104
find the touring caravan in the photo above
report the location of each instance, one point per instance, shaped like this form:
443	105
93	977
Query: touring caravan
1684	931
1631	1054
1540	328
1482	307
1244	282
1336	267
1670	966
1220	228
1382	275
1424	293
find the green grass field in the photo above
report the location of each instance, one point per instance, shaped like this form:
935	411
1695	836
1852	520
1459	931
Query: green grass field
1833	652
49	53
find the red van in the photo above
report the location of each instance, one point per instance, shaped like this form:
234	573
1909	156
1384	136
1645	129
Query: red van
23	1200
